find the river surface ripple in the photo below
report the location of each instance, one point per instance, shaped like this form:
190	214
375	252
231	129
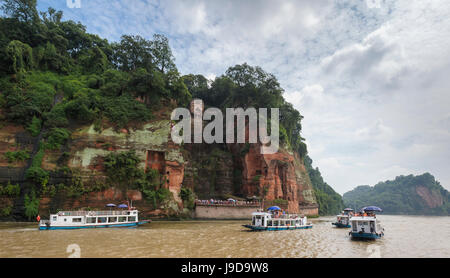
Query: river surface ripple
405	236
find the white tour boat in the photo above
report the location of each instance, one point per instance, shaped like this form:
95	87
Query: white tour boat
273	220
343	219
91	219
365	225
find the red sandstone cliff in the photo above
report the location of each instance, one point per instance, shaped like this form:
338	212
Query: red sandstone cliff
279	176
216	170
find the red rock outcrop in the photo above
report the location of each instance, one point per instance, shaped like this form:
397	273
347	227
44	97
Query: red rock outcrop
278	176
432	200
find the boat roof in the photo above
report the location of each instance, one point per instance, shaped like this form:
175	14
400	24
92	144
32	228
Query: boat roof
94	212
362	218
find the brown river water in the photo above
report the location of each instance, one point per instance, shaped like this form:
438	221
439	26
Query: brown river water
405	236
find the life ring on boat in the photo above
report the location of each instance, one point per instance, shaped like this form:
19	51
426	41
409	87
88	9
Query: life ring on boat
90	213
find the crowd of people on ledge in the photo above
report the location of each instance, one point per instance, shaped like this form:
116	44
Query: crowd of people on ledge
229	202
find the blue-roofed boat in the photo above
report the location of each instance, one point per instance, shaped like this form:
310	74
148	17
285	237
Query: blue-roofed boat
343	219
365	224
68	220
274	220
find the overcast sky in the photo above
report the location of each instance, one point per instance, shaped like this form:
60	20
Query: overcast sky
371	78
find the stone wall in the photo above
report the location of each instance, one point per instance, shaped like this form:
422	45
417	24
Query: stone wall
312	210
224	212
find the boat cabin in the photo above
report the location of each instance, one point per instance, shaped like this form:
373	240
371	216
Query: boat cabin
343	219
266	219
86	219
366	227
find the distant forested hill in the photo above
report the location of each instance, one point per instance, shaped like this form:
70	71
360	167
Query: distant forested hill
415	195
329	201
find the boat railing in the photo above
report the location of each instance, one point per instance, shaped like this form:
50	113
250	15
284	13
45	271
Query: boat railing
93	213
286	216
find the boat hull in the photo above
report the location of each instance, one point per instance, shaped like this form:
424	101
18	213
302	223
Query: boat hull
132	224
365	235
340	225
280	228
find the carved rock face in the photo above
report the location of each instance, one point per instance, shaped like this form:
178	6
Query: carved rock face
281	176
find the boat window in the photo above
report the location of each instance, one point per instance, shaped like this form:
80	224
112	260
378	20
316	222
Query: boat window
54	218
101	220
354	226
91	220
131	218
112	219
269	223
77	220
65	219
122	219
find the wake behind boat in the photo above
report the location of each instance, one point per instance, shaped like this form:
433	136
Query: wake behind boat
274	220
64	220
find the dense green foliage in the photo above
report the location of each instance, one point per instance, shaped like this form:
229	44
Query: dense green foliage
17	156
31	204
53	73
11	190
400	196
56	137
35	173
329	201
122	169
124	172
188	197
